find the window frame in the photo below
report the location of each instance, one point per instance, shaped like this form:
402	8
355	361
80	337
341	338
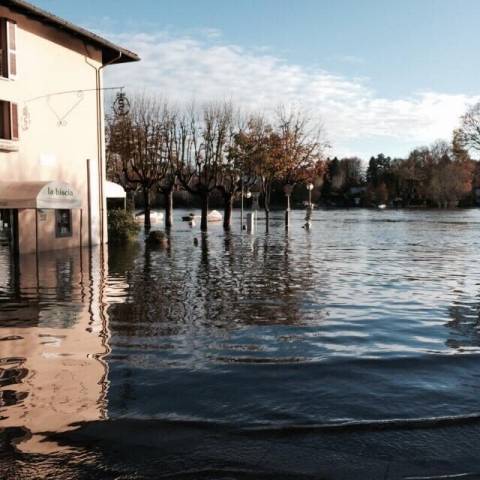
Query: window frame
9	126
3	49
8	49
12	49
58	226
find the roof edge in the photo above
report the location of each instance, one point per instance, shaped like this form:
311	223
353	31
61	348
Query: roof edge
120	54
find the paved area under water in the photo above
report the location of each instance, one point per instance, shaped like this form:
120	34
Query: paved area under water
350	351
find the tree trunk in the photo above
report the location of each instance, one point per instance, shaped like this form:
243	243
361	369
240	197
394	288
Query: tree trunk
168	195
204	203
146	204
130	201
227	213
266	205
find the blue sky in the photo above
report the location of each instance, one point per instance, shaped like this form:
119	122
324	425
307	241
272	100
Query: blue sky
381	75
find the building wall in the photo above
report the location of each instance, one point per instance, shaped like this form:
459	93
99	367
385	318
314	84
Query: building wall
47	240
54	143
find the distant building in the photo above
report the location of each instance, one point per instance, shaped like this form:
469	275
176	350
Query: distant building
52	161
477	195
356	194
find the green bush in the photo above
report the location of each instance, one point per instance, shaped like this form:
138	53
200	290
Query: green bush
121	226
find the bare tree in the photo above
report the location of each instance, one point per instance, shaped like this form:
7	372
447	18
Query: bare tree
468	135
203	139
168	177
238	170
138	141
302	146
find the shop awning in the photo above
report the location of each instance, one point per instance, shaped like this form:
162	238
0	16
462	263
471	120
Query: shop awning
113	190
54	195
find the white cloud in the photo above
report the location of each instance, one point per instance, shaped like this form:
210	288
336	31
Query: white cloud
204	68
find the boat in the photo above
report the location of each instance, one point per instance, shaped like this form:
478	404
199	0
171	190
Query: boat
155	217
382	206
214	216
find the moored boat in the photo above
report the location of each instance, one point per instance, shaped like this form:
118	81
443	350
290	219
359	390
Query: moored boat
214	216
155	217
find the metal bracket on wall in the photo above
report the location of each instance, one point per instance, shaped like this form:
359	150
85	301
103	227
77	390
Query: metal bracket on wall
61	120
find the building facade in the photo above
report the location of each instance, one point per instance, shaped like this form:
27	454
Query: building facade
52	148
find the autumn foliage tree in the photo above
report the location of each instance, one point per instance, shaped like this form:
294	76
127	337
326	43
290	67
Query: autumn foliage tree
237	172
285	151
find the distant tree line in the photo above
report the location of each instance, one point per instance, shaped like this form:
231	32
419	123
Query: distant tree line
441	175
216	151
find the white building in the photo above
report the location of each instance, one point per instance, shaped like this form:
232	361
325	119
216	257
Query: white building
52	149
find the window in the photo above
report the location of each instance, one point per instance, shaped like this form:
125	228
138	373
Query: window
8	48
63	223
8	120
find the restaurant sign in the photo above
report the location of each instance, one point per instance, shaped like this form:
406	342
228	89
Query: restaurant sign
58	195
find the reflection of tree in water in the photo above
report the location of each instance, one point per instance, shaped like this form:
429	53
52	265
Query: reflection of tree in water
151	298
252	281
121	259
464	324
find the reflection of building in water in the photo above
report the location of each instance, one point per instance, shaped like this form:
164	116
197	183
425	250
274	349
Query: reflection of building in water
4	259
53	340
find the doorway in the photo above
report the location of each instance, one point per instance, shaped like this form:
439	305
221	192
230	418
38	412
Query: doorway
9	231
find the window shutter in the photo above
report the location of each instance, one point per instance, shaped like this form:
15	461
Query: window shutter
4	120
3	49
14	121
12	49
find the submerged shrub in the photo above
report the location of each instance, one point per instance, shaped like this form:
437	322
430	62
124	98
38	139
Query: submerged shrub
157	239
122	226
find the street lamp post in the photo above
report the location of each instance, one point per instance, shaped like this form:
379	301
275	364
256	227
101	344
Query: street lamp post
310	188
241	206
308	215
244	194
250	215
287	189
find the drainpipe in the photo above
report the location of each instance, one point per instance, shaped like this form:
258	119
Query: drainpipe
98	71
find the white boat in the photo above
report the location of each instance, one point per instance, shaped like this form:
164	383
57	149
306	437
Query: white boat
214	216
155	217
382	206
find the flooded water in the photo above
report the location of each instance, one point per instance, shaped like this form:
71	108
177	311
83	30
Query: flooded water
350	351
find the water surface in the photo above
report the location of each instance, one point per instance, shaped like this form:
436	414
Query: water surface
347	351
